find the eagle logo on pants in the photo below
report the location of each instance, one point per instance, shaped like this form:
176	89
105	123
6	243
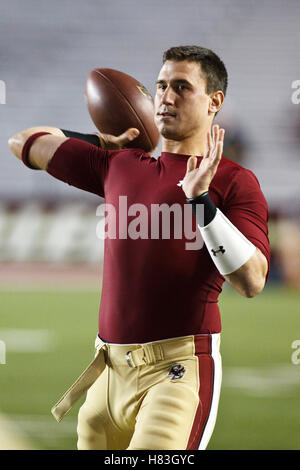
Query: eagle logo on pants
176	372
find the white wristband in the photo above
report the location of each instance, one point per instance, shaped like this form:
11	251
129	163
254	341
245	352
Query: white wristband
227	246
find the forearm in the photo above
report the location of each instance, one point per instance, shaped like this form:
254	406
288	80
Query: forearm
94	139
249	280
39	161
39	156
237	259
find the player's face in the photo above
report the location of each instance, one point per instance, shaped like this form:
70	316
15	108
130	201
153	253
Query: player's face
181	103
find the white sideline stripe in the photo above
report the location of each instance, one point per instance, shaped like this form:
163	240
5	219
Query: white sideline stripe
274	380
209	427
11	437
44	427
19	340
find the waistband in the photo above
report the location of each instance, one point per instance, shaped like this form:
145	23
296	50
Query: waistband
135	355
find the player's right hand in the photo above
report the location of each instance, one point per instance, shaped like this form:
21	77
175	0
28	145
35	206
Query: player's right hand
112	142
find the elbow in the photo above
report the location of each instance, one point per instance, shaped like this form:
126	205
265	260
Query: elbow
254	288
12	142
16	143
250	279
250	293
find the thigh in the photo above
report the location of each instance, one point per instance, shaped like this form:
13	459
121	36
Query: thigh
166	416
181	415
96	430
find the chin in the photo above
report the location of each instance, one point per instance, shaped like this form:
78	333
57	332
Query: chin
171	134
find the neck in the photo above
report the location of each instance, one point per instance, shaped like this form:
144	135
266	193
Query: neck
194	145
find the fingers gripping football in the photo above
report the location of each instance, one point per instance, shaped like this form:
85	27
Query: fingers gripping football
112	142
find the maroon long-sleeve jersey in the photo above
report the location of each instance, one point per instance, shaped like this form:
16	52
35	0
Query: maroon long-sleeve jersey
157	284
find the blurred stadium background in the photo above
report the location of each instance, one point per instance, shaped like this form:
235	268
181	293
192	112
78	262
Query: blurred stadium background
50	257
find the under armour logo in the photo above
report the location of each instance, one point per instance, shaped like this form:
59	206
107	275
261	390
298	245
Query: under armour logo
176	371
180	183
220	250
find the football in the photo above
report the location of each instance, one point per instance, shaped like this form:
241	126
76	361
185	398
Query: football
116	101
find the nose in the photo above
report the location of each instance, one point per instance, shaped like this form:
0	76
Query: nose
168	96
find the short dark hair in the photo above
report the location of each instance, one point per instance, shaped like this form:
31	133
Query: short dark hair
212	66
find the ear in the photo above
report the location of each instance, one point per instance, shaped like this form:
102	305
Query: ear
216	101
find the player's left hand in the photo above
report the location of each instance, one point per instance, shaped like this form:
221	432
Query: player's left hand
112	142
197	180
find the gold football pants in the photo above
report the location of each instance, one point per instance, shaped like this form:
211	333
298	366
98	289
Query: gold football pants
161	395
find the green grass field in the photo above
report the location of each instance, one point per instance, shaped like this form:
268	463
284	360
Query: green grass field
260	398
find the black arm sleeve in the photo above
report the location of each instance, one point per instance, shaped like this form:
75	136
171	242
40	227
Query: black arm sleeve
90	138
